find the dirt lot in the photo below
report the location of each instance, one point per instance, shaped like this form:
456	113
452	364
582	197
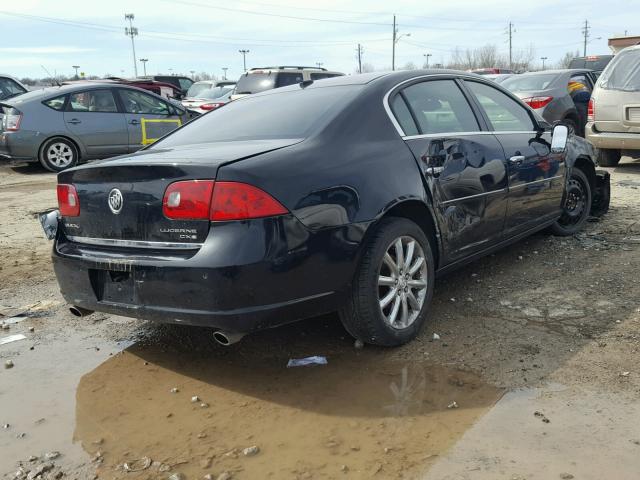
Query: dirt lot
535	374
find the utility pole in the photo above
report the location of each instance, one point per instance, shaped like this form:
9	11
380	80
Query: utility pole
427	55
244	58
224	75
144	65
585	32
543	60
132	31
359	53
511	45
319	64
76	67
393	52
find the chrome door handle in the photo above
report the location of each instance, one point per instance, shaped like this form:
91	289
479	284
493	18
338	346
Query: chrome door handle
74	121
516	160
134	122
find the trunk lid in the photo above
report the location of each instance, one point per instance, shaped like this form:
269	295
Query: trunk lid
141	180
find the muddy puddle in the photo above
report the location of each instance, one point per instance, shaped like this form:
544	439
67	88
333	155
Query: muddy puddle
361	415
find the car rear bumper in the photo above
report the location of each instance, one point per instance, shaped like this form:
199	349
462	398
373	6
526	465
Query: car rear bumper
18	146
246	276
613	140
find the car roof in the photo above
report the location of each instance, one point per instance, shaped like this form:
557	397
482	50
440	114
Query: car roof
52	92
559	71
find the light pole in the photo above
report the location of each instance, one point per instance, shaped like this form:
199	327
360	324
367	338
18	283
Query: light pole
543	60
426	56
144	65
224	75
244	58
132	31
319	64
193	72
76	67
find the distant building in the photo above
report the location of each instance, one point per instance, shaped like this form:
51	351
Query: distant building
618	43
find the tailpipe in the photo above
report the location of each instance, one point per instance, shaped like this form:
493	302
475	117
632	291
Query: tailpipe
79	311
227	338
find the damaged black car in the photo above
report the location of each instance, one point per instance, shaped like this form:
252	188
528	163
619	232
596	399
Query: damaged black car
349	194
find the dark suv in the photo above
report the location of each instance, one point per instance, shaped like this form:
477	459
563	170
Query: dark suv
182	83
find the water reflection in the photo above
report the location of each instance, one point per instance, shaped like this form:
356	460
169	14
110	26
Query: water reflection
363	412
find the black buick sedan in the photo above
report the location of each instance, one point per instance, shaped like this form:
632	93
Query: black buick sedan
349	194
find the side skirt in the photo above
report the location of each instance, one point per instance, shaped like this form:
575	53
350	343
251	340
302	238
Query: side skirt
498	246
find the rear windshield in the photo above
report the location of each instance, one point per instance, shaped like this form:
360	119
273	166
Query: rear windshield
594	63
260	82
215	92
528	83
289	114
623	73
9	88
197	88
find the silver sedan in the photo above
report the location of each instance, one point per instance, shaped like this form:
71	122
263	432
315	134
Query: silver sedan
60	126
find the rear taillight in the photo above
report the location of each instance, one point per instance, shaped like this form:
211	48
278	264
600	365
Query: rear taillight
68	201
218	201
11	121
591	111
211	106
189	200
239	201
537	102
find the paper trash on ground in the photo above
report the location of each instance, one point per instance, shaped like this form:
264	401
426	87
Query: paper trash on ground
300	362
12	338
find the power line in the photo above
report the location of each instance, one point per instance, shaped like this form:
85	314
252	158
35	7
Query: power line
177	35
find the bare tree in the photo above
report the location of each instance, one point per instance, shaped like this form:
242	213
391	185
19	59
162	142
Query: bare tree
409	66
566	59
522	59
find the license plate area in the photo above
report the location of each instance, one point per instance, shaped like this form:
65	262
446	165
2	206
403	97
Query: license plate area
113	286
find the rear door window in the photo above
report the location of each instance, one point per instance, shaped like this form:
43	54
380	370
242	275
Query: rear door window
504	113
288	78
139	102
92	101
439	106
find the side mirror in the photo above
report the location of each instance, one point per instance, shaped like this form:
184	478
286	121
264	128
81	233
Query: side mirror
559	138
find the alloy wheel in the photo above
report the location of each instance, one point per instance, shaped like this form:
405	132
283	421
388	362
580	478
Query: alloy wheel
60	155
402	282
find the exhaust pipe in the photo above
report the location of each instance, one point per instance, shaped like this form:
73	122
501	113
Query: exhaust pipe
227	338
79	311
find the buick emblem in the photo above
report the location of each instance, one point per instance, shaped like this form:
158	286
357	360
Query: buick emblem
115	201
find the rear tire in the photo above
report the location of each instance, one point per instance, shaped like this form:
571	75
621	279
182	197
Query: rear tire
391	291
608	157
58	154
577	205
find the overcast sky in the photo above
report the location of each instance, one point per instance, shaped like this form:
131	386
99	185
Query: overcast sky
205	35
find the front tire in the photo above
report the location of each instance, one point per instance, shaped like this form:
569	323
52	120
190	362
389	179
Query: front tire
393	287
577	205
58	154
608	157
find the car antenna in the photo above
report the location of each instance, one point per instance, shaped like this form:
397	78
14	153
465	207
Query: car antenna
53	78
